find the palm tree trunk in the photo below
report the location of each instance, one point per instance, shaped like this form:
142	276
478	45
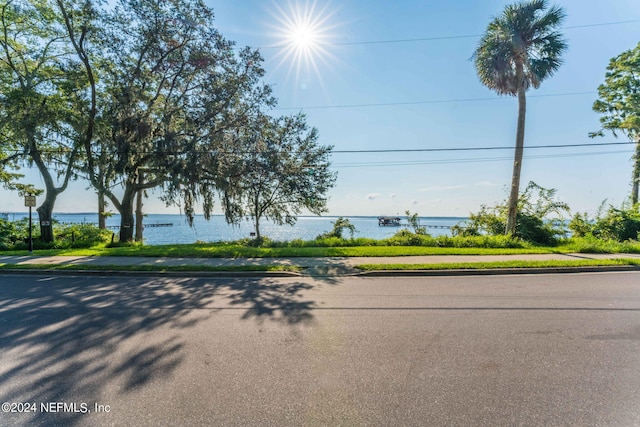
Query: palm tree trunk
517	161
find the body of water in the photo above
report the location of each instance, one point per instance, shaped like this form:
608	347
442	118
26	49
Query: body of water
216	229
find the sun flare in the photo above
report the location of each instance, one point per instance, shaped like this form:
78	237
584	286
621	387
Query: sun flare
304	33
303	37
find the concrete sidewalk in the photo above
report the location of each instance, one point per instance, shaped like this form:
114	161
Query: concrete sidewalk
319	265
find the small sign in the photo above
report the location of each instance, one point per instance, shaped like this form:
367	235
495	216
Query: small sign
45	223
30	201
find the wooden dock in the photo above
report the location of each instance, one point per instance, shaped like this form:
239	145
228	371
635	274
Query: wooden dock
393	221
389	221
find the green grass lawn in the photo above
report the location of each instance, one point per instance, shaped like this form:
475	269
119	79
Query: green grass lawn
343	248
502	265
238	251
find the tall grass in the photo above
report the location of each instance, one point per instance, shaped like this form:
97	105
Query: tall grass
399	239
590	244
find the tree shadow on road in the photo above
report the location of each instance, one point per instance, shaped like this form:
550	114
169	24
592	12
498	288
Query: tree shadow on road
71	339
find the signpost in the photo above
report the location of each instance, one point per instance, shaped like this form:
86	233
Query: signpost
30	201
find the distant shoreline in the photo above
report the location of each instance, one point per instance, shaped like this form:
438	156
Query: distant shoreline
222	215
217	229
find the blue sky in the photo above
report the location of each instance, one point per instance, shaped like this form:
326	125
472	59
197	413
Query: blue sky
431	99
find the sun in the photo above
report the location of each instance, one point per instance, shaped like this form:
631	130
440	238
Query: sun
304	34
303	37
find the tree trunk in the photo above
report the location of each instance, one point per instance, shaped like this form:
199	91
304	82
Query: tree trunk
635	178
138	220
257	217
102	220
517	161
139	194
126	214
45	211
45	217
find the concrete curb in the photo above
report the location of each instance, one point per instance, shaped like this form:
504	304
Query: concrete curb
373	273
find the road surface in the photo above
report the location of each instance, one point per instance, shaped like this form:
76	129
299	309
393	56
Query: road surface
491	350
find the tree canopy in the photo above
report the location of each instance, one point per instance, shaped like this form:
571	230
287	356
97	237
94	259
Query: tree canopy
619	105
142	95
286	172
40	96
272	168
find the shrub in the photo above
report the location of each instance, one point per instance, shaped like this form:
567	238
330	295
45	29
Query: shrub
7	234
339	225
15	235
82	235
414	223
406	237
615	224
533	224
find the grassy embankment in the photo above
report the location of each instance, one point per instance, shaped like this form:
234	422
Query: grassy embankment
496	245
344	248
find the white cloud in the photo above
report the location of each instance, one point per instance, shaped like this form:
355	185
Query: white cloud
373	196
433	201
441	188
486	184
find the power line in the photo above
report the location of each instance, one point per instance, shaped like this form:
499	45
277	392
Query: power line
436	38
371	151
467	160
425	150
438	101
422	39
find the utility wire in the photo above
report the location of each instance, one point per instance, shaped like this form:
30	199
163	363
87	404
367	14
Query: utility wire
423	39
439	101
418	150
420	39
373	151
467	160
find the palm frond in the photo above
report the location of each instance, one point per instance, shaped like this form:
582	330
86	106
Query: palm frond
524	34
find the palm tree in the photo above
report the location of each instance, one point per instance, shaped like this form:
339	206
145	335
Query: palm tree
519	50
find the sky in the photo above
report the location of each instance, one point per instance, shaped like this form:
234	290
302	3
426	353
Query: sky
398	75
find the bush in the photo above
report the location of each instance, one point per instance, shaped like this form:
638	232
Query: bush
82	235
15	235
414	223
339	226
615	224
7	234
406	237
532	220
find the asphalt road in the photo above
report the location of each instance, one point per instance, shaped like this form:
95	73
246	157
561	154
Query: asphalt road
492	350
